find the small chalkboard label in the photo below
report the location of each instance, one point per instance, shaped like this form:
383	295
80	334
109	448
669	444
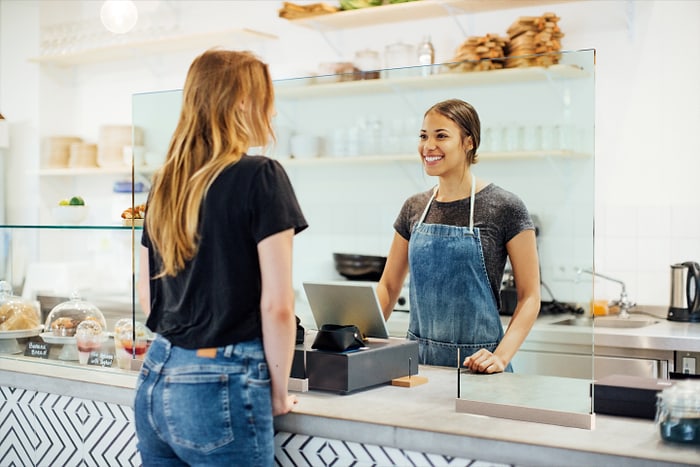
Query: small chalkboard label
100	359
37	349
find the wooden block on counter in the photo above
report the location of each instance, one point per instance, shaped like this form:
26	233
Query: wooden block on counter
409	381
298	384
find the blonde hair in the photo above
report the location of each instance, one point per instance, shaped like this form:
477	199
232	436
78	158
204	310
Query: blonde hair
227	106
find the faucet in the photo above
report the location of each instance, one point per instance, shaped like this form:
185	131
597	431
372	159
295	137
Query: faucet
623	302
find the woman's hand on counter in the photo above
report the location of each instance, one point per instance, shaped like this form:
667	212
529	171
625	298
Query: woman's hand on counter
483	361
284	405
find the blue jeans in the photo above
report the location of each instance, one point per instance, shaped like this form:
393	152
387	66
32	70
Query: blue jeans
204	410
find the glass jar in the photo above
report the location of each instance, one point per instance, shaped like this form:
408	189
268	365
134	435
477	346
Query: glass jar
368	62
64	318
678	412
399	56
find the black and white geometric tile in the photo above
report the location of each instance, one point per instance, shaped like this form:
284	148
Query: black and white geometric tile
41	429
294	450
46	430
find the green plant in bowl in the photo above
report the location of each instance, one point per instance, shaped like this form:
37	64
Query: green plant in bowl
70	211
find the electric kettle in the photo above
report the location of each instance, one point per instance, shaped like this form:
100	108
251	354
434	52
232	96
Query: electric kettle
685	292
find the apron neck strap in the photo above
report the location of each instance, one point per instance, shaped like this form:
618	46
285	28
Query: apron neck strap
427	206
471	204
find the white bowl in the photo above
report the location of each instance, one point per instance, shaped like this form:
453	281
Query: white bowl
305	146
70	214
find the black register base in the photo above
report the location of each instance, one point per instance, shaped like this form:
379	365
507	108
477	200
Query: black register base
343	372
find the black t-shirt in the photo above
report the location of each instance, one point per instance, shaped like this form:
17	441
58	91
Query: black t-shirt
498	214
215	300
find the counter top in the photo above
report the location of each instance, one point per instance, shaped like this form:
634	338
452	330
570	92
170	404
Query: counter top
425	417
662	335
422	418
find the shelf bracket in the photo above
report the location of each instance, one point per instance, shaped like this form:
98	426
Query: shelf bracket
453	12
322	32
630	16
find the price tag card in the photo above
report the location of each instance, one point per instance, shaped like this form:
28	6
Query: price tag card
100	359
37	349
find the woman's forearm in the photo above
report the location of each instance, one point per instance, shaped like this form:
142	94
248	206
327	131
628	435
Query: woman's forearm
277	314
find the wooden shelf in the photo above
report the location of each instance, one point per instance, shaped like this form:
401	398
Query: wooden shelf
304	88
134	49
412	11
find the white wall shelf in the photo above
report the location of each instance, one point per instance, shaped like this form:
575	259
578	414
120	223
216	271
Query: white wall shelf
134	49
411	11
52	226
326	161
91	171
302	88
413	158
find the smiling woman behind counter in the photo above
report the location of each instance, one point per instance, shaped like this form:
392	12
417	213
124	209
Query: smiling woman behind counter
455	240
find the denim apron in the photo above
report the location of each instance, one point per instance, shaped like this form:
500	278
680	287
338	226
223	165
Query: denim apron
452	304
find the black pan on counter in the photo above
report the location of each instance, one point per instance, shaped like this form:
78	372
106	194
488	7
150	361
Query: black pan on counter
359	267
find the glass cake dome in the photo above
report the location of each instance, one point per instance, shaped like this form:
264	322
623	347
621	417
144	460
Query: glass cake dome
64	318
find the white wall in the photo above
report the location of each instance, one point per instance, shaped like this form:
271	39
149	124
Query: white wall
647	108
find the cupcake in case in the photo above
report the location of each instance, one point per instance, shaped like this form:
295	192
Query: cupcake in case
130	341
89	338
63	327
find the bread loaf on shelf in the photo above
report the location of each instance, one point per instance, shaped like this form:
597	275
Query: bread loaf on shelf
479	53
534	41
531	41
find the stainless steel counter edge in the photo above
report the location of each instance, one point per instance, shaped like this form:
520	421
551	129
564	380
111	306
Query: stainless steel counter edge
664	335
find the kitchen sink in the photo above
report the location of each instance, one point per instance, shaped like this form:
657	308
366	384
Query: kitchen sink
608	322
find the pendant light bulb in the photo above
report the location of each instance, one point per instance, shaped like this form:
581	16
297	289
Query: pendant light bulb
119	16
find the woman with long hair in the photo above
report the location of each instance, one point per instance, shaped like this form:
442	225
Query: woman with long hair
215	277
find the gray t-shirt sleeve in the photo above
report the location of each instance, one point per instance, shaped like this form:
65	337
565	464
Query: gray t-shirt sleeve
410	213
498	214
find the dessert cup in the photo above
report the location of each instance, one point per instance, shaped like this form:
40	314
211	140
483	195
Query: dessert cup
88	338
129	345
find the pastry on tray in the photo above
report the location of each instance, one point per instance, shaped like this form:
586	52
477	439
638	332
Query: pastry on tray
134	212
18	316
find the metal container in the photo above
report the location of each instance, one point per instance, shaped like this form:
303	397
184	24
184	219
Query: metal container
685	292
359	267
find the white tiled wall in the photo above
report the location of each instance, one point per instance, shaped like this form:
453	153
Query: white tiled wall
350	209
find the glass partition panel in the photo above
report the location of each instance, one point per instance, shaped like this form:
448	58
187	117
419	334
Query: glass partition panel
349	145
550	125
